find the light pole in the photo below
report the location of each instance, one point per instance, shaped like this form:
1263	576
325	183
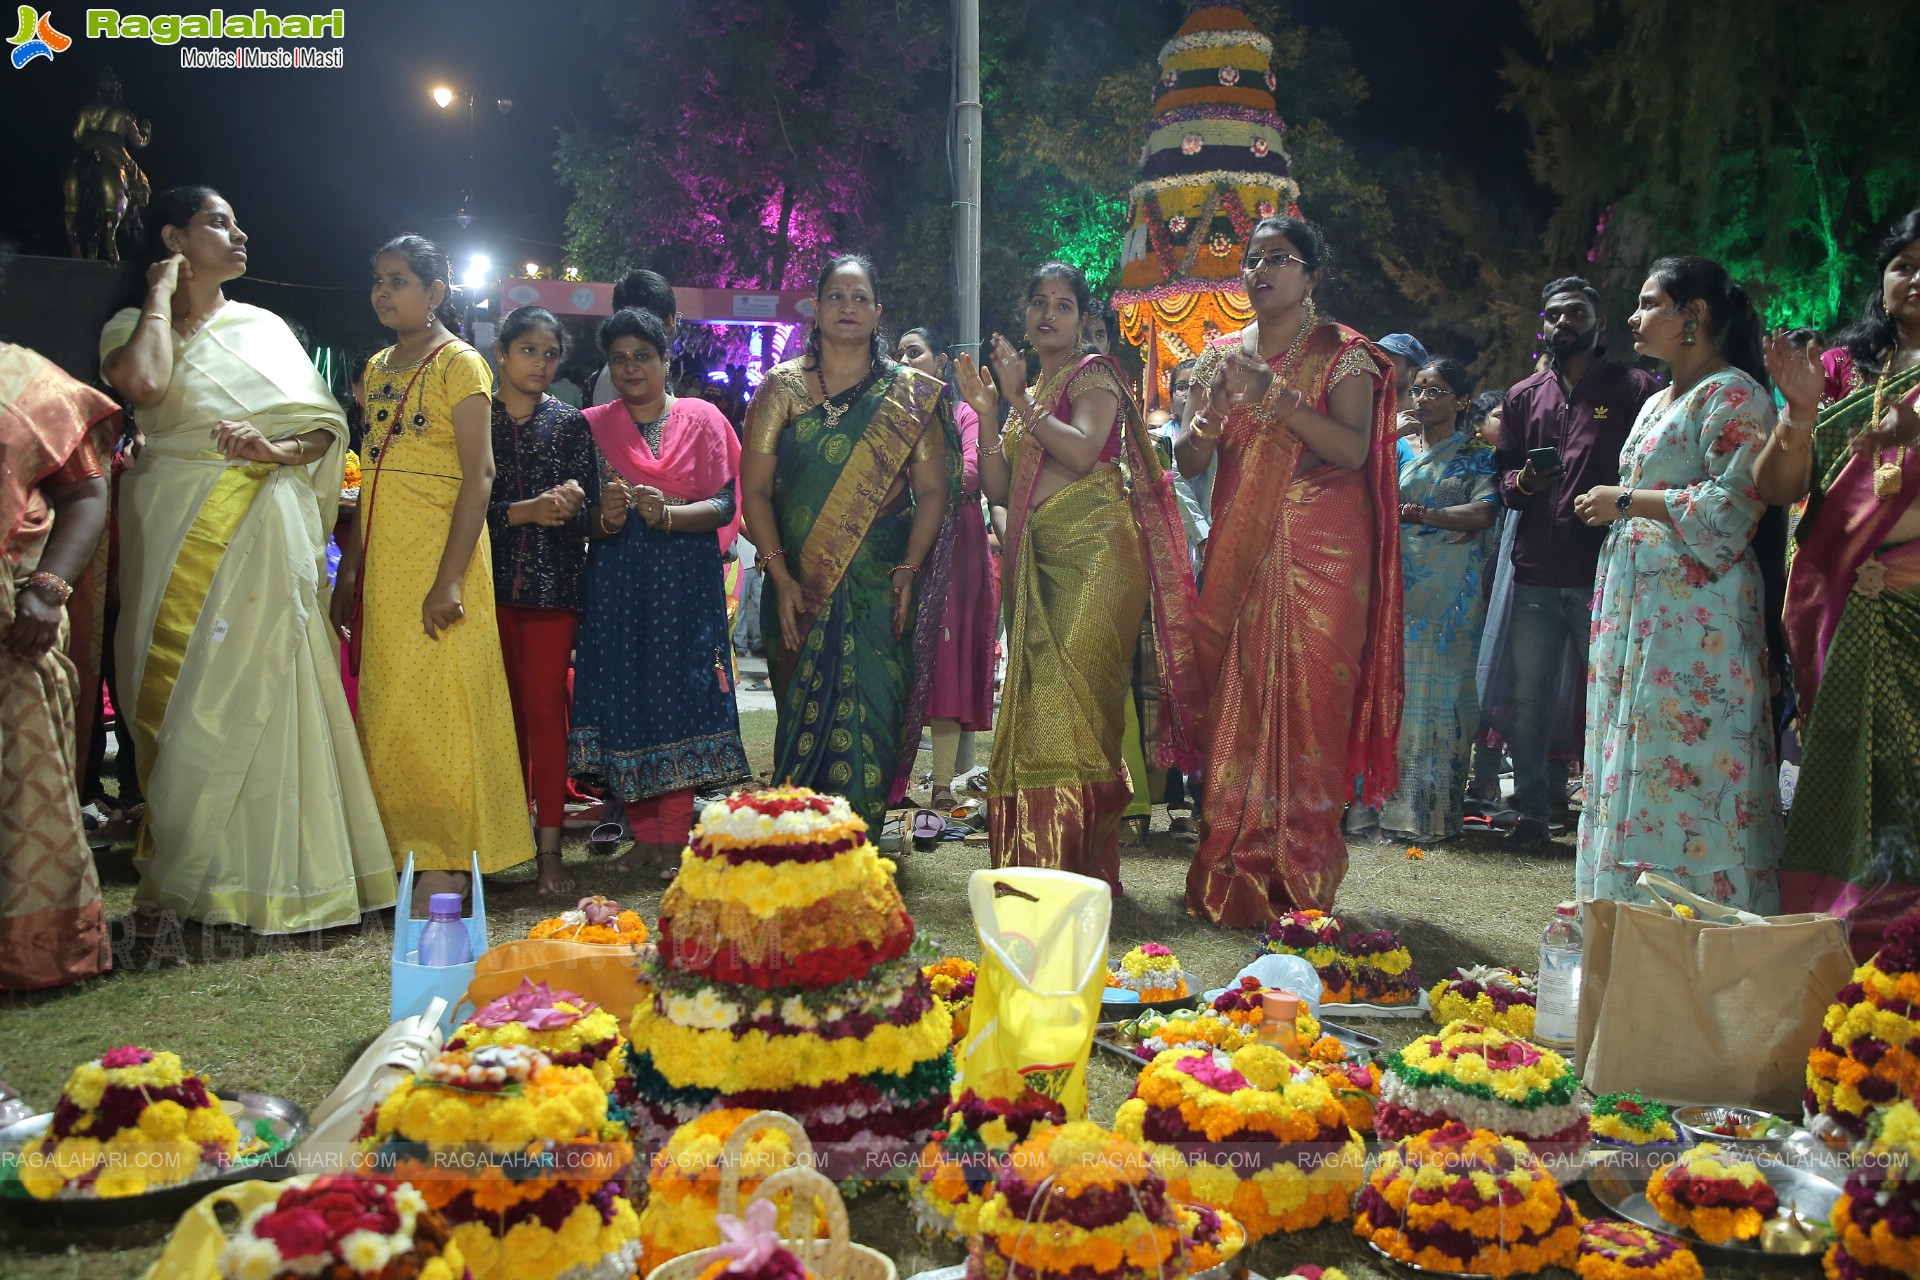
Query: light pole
444	97
967	127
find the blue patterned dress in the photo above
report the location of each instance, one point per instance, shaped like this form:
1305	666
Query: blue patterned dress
1440	573
1681	777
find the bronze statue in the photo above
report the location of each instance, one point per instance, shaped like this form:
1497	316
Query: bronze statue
104	188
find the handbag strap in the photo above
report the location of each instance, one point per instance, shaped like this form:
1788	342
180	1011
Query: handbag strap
1671	893
366	517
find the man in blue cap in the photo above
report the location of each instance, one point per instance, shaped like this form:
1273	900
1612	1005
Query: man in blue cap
1407	354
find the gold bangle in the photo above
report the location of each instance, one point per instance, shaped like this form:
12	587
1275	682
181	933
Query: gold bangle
165	320
669	511
1786	445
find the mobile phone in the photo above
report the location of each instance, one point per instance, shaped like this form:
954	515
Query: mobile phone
1544	460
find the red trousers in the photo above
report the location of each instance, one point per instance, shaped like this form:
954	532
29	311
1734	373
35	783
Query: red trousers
662	819
537	646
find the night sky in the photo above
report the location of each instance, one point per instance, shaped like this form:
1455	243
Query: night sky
323	165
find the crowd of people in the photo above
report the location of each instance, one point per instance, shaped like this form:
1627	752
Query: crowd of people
1325	596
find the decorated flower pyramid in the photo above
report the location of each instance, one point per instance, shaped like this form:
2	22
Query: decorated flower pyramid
1876	1222
570	1029
1215	162
1713	1192
1362	967
1629	1120
126	1122
960	1164
1614	1250
1076	1202
1455	1199
1489	995
1484	1079
1865	1060
1152	972
683	1182
783	982
343	1227
513	1150
1263	1139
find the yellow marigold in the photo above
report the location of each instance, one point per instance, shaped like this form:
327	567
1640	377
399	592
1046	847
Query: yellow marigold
691	1058
767	889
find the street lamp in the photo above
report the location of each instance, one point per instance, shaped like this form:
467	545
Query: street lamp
479	266
533	270
442	97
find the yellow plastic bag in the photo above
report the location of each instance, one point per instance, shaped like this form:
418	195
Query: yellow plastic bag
193	1252
1043	968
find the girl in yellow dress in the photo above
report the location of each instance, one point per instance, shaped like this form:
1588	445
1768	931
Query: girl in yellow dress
436	722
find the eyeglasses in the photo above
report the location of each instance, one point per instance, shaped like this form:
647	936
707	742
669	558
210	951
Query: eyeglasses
1278	261
1431	393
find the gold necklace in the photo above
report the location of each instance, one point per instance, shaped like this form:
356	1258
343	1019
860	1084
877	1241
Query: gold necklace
828	409
1264	412
1886	475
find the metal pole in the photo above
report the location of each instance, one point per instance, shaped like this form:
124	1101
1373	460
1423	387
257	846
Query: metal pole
967	134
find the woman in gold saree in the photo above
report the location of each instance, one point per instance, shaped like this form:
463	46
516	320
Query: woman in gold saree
849	479
1094	549
259	809
53	513
1300	633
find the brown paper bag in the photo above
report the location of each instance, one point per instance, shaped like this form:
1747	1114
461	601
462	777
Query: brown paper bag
1722	1008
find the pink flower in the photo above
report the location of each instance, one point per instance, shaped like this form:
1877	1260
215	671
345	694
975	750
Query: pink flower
1663	676
296	1232
127	1055
751	1244
532	1005
1265	207
1191	144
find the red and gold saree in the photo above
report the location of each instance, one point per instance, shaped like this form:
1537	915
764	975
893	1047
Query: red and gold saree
1299	638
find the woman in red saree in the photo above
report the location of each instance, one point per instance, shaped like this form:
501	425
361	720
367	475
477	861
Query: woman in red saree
1094	546
1299	635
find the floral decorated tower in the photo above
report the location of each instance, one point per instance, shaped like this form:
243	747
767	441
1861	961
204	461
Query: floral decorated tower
1214	164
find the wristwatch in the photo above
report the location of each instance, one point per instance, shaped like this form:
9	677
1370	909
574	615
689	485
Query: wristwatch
1624	502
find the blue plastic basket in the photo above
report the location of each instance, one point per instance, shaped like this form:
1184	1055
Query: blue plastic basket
415	985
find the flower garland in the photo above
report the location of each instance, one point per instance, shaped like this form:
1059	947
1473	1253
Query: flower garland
1863	1061
1876	1221
597	920
1454	1199
569	1029
1153	971
1229	1138
1491	996
1615	1250
1714	1193
370	1226
683	1184
959	1165
1630	1119
127	1121
952	979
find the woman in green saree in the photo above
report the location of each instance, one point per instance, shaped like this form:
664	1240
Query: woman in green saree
850	474
1853	602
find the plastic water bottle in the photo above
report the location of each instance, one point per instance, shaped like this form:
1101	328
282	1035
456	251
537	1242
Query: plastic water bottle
444	940
1556	1018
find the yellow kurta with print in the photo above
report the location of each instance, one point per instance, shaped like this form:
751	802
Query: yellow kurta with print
435	718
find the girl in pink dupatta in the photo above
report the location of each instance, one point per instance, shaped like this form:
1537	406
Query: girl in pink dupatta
1094	547
653	705
1853	603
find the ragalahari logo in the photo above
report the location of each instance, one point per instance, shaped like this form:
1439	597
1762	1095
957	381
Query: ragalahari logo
37	38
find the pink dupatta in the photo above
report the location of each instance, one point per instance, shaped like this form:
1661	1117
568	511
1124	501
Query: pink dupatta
699	453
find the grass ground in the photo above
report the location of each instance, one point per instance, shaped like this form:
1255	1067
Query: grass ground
288	1016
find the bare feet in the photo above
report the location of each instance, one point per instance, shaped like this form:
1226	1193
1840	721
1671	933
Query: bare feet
636	856
553	876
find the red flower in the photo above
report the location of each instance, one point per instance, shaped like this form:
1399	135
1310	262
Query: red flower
297	1232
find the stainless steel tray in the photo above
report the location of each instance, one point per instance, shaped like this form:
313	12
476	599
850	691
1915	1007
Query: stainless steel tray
1620	1183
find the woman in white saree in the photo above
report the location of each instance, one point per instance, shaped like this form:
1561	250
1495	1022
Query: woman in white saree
259	811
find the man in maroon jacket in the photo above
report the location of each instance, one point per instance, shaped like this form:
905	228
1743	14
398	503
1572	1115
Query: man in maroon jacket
1581	406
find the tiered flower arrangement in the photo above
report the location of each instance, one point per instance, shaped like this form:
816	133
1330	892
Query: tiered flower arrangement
783	982
1631	1120
343	1227
1714	1193
1489	995
1364	968
126	1122
1485	1079
952	979
1876	1221
1264	1139
683	1184
1153	972
1455	1199
596	919
1076	1202
535	1191
1865	1058
570	1029
350	478
1615	1250
959	1165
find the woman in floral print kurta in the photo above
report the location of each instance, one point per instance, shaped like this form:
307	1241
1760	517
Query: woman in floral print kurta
1681	777
1680	771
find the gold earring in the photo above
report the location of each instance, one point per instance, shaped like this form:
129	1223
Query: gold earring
1689	334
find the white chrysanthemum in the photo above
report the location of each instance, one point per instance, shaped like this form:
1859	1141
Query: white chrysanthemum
247	1258
366	1251
409	1204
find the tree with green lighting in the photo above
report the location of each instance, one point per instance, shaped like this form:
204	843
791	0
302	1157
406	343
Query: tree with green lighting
1776	136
